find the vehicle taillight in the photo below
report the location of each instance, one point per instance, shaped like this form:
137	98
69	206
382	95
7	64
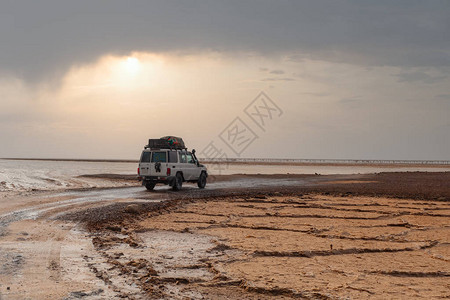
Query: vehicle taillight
168	171
139	171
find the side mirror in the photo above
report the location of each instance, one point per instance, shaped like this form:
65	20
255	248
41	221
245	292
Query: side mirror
193	151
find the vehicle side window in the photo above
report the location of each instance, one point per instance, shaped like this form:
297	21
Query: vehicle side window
159	157
182	157
190	159
173	156
145	157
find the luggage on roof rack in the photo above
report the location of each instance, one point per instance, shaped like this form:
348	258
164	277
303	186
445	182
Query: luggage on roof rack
166	142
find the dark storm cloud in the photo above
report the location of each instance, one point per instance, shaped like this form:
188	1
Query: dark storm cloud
41	39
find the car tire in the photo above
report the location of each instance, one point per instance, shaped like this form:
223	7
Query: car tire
201	183
178	183
150	186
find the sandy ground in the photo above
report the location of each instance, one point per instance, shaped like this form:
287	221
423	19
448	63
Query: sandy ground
245	237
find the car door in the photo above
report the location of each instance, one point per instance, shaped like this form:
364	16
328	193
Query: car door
173	163
184	166
144	163
158	164
194	170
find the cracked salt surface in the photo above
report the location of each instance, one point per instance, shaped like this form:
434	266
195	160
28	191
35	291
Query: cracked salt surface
177	254
174	257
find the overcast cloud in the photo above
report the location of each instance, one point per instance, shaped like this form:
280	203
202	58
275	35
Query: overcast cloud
42	39
356	79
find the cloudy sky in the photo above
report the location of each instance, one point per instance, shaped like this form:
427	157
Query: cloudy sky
352	79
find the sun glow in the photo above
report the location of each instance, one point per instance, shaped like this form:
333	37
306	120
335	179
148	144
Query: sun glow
132	64
130	72
162	76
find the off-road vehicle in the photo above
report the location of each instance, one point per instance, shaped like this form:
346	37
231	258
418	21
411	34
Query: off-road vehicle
167	161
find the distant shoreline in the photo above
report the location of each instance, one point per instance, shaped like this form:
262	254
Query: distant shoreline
75	159
292	162
335	164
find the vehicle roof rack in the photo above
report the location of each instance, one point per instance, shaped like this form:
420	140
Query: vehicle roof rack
164	148
166	142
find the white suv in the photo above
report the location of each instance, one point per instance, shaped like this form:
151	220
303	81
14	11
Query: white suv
172	167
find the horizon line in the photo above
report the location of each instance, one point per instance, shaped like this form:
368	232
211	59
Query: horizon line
262	160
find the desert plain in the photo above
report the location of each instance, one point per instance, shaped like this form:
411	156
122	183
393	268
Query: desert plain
377	236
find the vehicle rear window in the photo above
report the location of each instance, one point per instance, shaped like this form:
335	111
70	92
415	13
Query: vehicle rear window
145	157
159	157
172	156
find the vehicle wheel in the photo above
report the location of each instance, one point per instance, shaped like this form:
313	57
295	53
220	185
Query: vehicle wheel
202	181
150	186
178	182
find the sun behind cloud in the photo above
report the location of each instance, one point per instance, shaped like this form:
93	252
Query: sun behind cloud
132	64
